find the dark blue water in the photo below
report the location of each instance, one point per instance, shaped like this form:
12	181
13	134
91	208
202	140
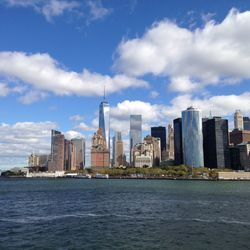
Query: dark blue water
123	214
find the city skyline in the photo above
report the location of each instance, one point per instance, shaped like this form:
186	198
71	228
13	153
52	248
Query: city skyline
56	59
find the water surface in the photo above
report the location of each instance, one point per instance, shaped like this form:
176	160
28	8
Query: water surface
123	214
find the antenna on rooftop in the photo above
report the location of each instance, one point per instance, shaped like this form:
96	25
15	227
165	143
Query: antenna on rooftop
104	93
210	115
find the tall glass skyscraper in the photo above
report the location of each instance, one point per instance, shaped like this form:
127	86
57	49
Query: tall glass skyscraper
135	132
192	140
104	121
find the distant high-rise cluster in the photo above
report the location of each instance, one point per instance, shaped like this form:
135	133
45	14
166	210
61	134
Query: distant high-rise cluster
206	142
191	140
66	155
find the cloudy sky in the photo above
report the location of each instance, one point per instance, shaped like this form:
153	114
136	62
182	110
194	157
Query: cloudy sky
155	57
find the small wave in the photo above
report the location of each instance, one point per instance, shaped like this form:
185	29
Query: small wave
220	220
35	219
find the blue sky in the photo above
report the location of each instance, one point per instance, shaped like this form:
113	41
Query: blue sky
154	57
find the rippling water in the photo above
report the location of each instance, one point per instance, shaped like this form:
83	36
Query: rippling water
123	214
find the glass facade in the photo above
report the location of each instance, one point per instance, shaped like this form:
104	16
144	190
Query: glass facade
192	141
135	131
104	121
246	121
178	150
160	132
215	143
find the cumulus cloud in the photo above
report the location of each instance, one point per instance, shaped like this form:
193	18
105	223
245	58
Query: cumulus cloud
97	11
45	74
216	53
23	138
48	8
76	118
83	126
220	105
32	96
156	114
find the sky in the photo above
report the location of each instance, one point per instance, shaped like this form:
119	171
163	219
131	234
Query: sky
154	57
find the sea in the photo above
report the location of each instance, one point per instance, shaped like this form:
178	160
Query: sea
123	214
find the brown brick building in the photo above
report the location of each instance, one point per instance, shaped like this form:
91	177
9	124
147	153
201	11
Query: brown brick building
99	151
239	136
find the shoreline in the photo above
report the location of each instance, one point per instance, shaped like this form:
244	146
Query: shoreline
123	178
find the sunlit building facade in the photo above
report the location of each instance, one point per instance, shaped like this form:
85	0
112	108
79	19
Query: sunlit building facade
80	152
135	132
192	139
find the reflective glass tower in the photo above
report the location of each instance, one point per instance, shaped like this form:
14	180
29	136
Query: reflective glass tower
192	140
104	121
135	132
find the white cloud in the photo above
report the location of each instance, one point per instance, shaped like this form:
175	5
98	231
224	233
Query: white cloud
72	134
32	96
4	90
217	53
154	94
44	74
76	118
19	140
97	11
83	126
156	115
49	8
22	138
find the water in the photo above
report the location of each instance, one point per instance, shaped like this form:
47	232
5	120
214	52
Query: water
123	214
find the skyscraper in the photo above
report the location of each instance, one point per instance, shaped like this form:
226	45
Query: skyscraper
104	121
170	144
216	143
178	150
246	121
80	152
119	157
160	132
192	140
135	132
69	155
238	120
56	162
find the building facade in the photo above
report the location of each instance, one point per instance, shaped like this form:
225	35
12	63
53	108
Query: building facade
69	156
34	160
119	156
178	150
246	121
239	136
99	151
216	143
104	121
56	162
238	120
244	149
135	133
80	152
192	139
160	132
170	144
156	142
